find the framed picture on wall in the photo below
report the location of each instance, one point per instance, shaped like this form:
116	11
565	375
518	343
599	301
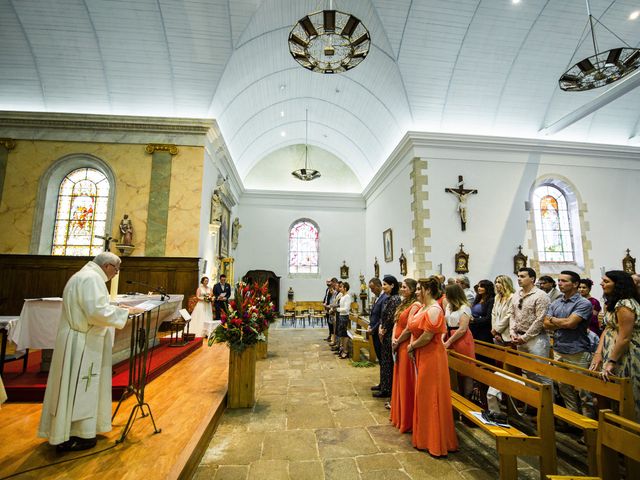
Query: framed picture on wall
387	243
225	230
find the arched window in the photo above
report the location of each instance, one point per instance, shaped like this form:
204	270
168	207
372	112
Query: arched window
303	247
554	229
81	213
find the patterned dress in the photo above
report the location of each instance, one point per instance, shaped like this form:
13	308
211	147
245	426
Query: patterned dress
629	363
386	357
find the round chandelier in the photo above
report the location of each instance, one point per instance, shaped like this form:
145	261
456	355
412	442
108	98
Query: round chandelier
602	68
329	41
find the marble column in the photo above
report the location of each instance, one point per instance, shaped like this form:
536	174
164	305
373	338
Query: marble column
159	189
6	145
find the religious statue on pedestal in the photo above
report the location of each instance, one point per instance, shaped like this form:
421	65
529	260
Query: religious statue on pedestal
126	231
125	245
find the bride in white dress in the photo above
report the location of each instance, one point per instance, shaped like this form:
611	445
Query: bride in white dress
203	311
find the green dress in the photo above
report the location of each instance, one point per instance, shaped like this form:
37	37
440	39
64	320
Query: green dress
629	364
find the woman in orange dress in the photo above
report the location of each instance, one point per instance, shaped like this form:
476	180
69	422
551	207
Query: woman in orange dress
433	428
403	390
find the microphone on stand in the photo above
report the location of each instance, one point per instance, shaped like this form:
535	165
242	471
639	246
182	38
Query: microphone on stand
163	293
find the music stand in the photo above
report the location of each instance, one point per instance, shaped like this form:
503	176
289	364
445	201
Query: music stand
138	363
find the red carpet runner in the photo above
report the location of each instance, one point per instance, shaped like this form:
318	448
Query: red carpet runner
30	386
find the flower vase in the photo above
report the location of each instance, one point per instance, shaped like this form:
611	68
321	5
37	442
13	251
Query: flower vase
241	391
262	347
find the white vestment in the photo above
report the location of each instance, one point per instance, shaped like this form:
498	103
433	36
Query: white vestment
77	401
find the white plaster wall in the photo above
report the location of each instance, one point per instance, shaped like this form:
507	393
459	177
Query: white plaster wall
389	206
263	240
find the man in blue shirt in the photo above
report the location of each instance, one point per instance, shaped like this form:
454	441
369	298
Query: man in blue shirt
375	285
568	317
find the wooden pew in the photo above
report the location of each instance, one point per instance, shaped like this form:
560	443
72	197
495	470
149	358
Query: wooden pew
618	389
510	442
363	338
615	435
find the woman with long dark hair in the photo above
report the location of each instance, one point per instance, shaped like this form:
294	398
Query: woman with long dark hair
618	352
403	390
433	427
481	309
390	286
584	288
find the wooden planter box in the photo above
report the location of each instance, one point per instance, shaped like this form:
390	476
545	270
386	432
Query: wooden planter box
242	378
262	347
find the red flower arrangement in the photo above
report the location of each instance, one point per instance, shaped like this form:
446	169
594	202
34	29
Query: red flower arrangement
249	314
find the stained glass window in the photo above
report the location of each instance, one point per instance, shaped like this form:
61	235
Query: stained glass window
553	227
81	213
303	247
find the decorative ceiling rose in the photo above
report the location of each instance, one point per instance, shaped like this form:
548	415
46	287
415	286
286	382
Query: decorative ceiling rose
306	174
600	69
329	41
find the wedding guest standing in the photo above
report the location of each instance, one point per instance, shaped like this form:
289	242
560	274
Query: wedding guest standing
500	316
403	389
433	428
585	290
459	337
375	285
481	312
202	312
619	348
390	286
343	320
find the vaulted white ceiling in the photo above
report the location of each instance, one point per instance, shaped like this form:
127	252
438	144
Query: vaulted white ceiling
464	66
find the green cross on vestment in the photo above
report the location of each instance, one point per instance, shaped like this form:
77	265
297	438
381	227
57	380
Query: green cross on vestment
88	377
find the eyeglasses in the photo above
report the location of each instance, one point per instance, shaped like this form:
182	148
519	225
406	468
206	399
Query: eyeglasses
117	268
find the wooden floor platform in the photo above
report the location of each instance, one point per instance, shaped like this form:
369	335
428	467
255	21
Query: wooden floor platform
186	401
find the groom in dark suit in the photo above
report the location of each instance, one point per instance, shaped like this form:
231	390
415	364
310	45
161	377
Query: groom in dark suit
221	294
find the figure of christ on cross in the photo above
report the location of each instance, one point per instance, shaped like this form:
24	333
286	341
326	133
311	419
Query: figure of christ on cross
461	193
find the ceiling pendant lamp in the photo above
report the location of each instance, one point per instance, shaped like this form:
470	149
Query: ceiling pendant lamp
329	41
600	69
306	174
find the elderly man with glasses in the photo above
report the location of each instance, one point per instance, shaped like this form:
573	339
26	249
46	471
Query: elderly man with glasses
77	401
528	310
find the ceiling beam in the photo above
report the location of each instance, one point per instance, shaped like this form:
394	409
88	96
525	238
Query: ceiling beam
621	88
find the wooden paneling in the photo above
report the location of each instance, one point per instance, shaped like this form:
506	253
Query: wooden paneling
34	276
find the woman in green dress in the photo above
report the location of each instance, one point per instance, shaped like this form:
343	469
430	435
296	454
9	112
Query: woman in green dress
618	352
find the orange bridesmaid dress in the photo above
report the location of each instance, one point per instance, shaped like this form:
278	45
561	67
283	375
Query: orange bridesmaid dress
404	377
433	427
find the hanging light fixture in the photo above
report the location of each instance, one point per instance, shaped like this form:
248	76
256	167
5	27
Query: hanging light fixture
600	69
306	174
329	41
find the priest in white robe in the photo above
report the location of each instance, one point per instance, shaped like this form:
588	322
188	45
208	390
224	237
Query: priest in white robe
77	401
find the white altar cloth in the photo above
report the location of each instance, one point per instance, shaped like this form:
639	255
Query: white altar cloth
37	326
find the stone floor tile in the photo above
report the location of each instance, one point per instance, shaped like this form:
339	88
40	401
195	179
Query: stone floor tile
231	472
379	461
344	442
388	439
420	465
309	416
234	449
340	469
269	470
385	475
267	422
306	470
353	417
205	472
294	445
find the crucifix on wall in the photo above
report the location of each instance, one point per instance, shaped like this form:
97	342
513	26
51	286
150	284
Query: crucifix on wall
461	193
